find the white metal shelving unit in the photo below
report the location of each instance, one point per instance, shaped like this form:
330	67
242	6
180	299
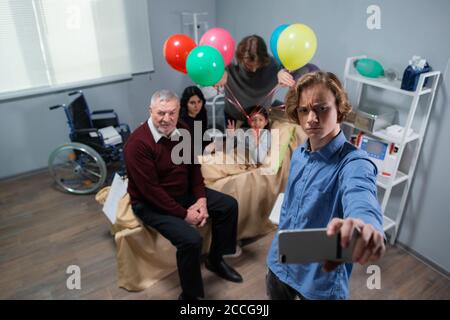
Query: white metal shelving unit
399	178
218	100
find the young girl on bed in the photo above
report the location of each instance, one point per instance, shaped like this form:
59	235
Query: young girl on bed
256	140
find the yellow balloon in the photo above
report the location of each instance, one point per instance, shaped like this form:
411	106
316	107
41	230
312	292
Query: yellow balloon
296	46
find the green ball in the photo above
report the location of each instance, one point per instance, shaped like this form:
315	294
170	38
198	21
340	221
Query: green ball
369	68
205	65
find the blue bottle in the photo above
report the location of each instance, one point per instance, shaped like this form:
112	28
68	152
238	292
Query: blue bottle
411	76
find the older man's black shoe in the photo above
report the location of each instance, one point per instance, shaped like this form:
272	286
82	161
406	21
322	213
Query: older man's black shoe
223	270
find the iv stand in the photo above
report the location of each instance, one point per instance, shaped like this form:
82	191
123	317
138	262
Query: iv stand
195	23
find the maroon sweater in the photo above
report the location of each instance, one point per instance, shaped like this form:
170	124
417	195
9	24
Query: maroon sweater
152	176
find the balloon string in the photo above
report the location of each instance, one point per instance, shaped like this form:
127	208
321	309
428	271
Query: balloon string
238	107
235	102
271	93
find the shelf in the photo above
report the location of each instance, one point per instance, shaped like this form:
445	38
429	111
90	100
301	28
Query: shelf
410	110
386	84
388	223
381	134
383	181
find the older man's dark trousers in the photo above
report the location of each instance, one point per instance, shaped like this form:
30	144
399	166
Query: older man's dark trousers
223	216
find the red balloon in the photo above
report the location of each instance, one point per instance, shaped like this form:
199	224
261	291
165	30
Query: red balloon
176	50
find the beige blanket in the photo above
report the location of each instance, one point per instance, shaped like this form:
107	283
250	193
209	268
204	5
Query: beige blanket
144	256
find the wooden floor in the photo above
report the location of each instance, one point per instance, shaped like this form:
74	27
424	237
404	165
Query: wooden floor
43	231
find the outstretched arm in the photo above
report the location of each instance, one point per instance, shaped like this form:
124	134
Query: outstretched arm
362	212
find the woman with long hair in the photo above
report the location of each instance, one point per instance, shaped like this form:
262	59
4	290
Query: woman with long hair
192	109
251	80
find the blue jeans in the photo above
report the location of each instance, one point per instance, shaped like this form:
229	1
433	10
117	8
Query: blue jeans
278	290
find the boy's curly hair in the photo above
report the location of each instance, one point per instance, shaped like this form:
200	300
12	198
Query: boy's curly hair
327	79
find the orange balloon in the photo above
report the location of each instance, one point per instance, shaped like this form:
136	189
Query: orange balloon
176	50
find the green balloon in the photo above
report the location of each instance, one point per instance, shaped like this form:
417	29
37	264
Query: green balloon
369	68
205	65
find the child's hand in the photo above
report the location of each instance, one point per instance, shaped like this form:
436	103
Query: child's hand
231	126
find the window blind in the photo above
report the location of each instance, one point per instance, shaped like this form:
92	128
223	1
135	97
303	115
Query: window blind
55	43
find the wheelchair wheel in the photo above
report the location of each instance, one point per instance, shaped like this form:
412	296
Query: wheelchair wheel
77	168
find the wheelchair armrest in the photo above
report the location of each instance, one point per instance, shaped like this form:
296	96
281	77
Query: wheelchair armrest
87	130
84	136
102	111
75	92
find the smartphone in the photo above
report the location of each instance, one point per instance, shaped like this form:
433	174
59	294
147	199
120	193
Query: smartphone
313	245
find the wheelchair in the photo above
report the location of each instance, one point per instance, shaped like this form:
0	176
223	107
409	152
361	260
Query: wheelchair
81	166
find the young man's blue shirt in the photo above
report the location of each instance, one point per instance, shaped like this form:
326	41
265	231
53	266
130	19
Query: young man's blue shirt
337	181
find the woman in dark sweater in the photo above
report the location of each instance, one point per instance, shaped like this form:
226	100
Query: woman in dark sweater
192	109
253	76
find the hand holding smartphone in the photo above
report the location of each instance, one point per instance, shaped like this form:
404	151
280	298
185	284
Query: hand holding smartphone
313	245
